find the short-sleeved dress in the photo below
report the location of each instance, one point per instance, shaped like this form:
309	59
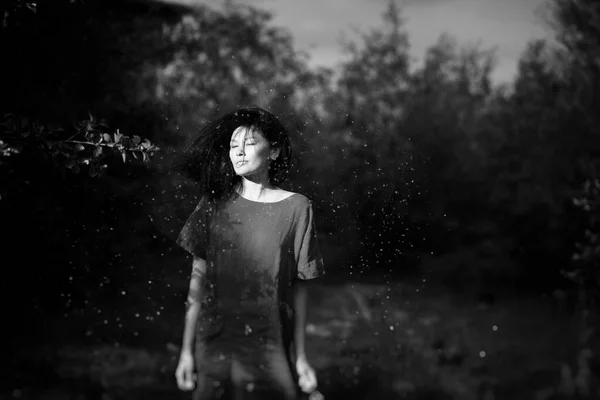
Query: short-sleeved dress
254	251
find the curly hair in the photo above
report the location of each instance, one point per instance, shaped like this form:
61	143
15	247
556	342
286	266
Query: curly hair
206	161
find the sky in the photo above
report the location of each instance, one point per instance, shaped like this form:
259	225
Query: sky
318	25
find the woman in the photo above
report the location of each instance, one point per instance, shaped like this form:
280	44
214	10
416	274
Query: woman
253	244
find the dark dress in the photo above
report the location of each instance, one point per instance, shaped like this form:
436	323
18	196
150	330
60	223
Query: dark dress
254	251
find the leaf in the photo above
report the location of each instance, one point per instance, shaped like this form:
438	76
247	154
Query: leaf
126	142
124	155
32	7
97	151
118	136
136	140
107	138
79	147
53	127
93	170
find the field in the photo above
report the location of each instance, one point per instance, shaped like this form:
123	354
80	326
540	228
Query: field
410	340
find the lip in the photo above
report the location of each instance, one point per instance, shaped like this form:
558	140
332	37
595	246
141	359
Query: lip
240	163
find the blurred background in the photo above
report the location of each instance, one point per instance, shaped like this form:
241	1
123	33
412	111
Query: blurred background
450	148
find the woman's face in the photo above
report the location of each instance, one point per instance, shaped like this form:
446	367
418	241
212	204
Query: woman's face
250	152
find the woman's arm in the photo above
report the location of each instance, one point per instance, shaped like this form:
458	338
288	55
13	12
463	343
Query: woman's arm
193	304
300	317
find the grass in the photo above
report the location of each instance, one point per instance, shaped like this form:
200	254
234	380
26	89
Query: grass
427	343
399	340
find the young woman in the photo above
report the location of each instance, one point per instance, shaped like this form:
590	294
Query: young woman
253	246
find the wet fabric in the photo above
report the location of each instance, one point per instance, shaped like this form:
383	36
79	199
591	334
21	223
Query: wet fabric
254	252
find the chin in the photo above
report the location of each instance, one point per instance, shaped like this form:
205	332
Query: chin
248	172
241	171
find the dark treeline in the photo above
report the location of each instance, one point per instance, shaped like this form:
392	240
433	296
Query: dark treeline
423	168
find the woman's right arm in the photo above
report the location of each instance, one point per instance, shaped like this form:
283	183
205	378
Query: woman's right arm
194	298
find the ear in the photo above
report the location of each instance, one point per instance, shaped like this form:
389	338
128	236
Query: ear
274	153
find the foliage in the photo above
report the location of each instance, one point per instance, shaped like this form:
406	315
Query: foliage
586	270
87	145
222	59
373	176
403	158
576	24
391	139
431	151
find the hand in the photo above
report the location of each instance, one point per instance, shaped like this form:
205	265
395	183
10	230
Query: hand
307	378
186	379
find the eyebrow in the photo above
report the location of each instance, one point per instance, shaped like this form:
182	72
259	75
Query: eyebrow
246	138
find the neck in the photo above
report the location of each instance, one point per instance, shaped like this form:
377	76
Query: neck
254	190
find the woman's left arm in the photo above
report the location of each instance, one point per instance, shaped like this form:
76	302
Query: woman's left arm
300	311
307	377
309	267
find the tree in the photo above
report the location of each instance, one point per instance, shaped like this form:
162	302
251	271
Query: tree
577	25
373	167
85	144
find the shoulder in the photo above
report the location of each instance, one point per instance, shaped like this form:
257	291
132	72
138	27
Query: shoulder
296	201
300	202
